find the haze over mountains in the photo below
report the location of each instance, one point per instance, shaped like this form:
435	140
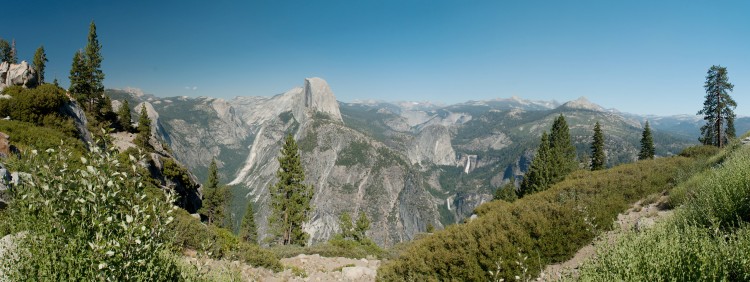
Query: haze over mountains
406	164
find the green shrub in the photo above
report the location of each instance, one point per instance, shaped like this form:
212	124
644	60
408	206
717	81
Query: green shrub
176	172
27	136
672	253
520	238
336	247
701	151
32	105
215	242
90	223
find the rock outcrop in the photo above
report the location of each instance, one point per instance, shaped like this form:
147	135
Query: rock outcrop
5	148
433	146
17	74
318	97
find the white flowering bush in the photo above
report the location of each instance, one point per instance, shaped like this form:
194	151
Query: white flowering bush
88	219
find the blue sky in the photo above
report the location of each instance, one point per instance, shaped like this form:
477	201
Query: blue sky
646	57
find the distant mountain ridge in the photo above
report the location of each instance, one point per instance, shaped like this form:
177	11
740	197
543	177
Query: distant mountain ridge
407	165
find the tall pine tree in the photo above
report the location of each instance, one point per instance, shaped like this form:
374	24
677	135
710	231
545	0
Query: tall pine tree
248	229
598	158
78	84
290	198
95	75
213	175
647	144
39	63
144	130
539	174
718	108
123	116
13	55
86	76
563	160
214	197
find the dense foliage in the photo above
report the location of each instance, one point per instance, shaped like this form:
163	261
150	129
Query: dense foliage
539	175
290	198
555	159
91	221
519	238
718	108
8	51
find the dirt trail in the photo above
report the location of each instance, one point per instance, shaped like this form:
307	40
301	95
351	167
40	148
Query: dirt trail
636	218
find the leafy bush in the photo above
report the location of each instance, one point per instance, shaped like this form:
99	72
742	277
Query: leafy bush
89	223
546	227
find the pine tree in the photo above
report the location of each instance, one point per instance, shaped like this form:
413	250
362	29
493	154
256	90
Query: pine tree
123	115
214	204
213	175
78	84
598	158
13	56
214	197
86	76
647	144
290	198
361	227
538	176
39	63
248	230
5	51
144	130
563	153
718	108
95	75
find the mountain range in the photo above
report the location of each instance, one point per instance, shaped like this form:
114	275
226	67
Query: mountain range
407	165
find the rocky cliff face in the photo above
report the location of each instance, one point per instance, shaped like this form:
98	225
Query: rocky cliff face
17	74
350	171
406	165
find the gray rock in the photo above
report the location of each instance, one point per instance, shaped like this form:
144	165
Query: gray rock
5	177
643	223
358	273
17	74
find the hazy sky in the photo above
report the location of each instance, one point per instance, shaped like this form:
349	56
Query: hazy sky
646	57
